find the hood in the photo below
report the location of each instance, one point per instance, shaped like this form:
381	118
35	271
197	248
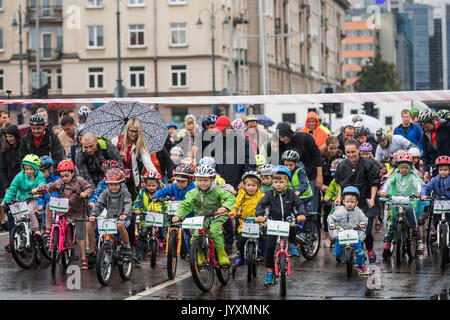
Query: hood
35	167
13	130
312	115
77	131
285	129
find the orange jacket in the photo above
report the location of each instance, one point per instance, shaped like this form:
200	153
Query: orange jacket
320	136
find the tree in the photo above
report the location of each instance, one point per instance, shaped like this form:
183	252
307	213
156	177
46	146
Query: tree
378	75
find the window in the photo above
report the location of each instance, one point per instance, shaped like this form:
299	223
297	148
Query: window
178	34
58	79
177	2
288	117
354	111
59	37
96	77
1	40
137	77
388	121
94	4
137	35
95	34
49	77
136	3
2	81
179	76
178	115
1	5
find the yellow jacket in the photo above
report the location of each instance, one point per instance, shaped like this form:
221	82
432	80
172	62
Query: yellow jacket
246	204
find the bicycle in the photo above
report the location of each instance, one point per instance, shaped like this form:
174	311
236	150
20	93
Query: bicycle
110	253
309	236
441	208
25	248
202	246
403	242
348	238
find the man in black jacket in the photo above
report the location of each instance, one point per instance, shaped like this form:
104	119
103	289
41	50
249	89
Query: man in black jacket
309	155
39	140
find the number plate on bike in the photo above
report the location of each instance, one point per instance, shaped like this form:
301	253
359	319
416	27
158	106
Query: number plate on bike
278	228
107	226
172	206
193	223
103	214
250	230
59	204
154	219
348	237
441	206
399	201
18	209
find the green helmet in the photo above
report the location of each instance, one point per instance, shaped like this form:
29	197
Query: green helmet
260	159
414	112
32	159
444	114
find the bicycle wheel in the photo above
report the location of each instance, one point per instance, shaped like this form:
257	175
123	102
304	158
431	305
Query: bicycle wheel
349	261
443	245
250	260
23	254
312	231
38	250
172	255
103	265
399	247
283	271
67	253
46	249
125	268
54	249
153	252
411	244
202	271
223	273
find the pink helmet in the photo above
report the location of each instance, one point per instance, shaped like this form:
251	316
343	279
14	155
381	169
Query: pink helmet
366	147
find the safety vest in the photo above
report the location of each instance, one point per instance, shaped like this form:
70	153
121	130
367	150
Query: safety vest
296	184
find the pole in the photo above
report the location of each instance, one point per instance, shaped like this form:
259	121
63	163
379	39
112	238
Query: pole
120	91
262	77
230	66
213	57
38	47
20	52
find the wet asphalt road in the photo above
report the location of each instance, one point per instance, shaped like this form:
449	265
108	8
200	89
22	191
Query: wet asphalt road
321	279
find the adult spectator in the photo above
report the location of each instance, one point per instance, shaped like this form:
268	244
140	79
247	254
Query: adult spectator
389	144
209	131
324	126
71	153
91	156
255	135
67	135
435	141
43	111
5	121
409	130
83	114
39	140
171	140
232	152
310	156
347	133
190	137
312	127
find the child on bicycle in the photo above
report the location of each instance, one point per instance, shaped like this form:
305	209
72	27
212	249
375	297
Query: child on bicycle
143	204
46	168
265	171
299	183
281	203
117	202
102	185
76	189
206	198
347	217
403	182
246	202
23	183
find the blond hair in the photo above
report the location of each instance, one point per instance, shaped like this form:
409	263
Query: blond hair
141	145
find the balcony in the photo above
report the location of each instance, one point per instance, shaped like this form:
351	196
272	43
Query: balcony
46	54
46	14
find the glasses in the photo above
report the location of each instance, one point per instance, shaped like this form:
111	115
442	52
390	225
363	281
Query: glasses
133	131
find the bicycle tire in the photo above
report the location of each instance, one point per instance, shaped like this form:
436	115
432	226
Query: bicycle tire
223	273
172	255
38	251
125	268
46	249
153	253
103	264
399	247
67	253
349	261
313	235
54	248
16	239
411	245
443	246
250	260
196	268
283	271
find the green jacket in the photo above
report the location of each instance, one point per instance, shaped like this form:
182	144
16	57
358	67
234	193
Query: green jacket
265	188
21	185
205	202
333	190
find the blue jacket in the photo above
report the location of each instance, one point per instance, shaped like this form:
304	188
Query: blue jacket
413	134
441	187
46	199
429	154
174	191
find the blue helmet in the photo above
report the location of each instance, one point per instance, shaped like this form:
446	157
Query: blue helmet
46	162
351	190
282	170
172	124
210	119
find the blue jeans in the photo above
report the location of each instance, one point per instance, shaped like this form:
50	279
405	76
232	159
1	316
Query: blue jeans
314	204
358	247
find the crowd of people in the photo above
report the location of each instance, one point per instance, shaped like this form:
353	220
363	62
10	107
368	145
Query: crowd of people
223	165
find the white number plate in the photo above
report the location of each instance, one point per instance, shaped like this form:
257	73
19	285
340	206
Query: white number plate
278	228
103	215
250	230
441	206
348	237
193	223
172	207
59	204
154	219
107	226
400	201
19	209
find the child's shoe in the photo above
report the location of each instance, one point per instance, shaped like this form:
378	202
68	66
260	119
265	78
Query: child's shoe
223	257
293	251
372	256
269	279
240	260
362	270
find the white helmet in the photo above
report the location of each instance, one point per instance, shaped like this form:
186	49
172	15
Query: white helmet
204	170
415	152
177	151
84	112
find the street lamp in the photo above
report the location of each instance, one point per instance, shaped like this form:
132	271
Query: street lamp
120	90
25	25
212	24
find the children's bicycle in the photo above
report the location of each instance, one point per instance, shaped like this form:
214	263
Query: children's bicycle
61	241
173	247
110	252
202	254
441	209
309	236
347	239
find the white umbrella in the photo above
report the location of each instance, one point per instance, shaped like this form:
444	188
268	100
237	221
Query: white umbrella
369	122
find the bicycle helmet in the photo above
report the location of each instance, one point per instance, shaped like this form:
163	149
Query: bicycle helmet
177	151
188	161
83	113
260	159
252	174
251	117
381	134
109	164
152	175
426	115
335	164
351	190
46	162
66	165
443	114
415	152
210	119
265	169
31	159
208	161
114	175
282	170
414	112
404	158
204	170
357	118
442	160
290	155
37	119
366	147
184	172
362	131
238	124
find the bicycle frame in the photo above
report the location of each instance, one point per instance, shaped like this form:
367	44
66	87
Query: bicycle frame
281	243
169	231
442	221
61	224
209	243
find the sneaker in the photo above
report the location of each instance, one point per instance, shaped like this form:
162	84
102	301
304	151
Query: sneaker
137	259
372	256
8	247
126	252
362	270
240	260
420	247
269	279
293	251
386	253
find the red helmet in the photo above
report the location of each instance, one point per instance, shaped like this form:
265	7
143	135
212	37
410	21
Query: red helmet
404	157
152	175
184	172
109	164
443	160
114	175
66	165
